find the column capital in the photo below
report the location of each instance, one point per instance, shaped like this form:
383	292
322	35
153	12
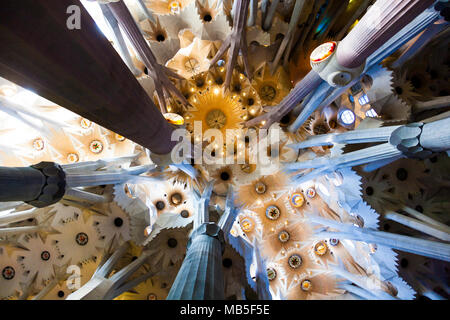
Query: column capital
209	229
54	186
407	140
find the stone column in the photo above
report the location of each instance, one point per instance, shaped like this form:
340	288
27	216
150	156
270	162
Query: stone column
200	276
77	69
382	20
39	185
45	183
436	135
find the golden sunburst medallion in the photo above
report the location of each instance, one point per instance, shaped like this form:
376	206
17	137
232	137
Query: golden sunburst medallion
271	88
214	109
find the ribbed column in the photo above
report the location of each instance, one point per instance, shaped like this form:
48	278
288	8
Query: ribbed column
309	83
118	38
40	185
253	11
320	94
144	9
159	73
77	69
201	276
436	135
270	15
129	26
384	19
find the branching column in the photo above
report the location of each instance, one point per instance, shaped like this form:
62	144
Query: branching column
384	19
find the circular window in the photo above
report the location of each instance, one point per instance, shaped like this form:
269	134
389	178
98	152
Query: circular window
96	146
334	242
172	242
311	192
38	144
272	212
225	176
45	255
295	261
8	273
82	238
85	123
306	285
184	213
369	191
176	199
160	205
260	188
297	200
152	296
118	222
160	37
271	274
247	225
320	248
284	236
347	117
227	263
207	17
286	119
72	158
402	174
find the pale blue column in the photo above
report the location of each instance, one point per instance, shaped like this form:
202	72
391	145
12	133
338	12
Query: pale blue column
201	276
